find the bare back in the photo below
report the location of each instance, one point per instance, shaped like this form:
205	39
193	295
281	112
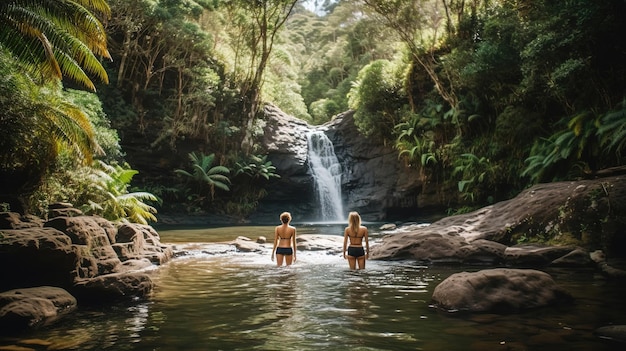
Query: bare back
284	233
356	239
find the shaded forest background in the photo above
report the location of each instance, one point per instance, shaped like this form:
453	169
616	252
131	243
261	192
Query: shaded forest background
484	97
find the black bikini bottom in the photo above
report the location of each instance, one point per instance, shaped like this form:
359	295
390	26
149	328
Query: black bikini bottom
356	251
284	251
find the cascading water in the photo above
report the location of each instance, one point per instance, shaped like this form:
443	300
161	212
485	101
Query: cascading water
326	172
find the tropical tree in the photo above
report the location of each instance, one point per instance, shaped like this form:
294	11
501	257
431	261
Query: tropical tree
42	42
56	39
37	123
205	174
377	97
252	176
256	25
331	50
418	23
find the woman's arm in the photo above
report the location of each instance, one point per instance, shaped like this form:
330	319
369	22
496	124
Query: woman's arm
295	247
345	242
275	242
367	244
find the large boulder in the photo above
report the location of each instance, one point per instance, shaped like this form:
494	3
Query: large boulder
36	256
134	241
113	287
22	309
432	247
88	256
577	210
91	241
498	290
423	247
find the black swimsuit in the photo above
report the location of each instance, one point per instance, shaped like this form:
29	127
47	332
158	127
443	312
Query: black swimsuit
287	251
356	251
284	251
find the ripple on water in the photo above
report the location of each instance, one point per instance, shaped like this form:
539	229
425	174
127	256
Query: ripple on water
224	299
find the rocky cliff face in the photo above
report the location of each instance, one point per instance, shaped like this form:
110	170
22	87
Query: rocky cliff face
285	140
374	182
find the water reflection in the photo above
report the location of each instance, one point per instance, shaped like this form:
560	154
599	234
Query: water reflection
225	300
283	292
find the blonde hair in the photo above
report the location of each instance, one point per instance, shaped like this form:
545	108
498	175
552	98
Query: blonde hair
285	217
354	222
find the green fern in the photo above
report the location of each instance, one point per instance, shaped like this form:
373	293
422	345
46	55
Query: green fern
257	167
612	131
475	172
565	153
205	174
113	201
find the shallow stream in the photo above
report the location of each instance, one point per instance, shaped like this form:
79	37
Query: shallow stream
219	299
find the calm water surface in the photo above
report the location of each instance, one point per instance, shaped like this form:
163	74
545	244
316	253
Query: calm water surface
219	299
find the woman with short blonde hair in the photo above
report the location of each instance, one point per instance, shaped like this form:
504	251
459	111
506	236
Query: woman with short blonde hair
284	241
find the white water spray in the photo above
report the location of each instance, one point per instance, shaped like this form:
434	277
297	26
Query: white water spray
326	172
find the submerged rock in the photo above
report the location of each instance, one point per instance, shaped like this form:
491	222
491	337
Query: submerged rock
26	308
332	244
599	258
498	290
113	287
387	226
612	332
245	244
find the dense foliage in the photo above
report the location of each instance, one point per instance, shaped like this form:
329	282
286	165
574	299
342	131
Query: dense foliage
502	94
40	44
482	96
56	38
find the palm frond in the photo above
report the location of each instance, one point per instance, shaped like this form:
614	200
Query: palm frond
218	170
57	37
612	131
72	126
221	186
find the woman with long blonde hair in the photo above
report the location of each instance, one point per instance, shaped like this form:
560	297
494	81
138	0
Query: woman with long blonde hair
356	233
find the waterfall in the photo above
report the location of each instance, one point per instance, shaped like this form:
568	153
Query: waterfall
326	172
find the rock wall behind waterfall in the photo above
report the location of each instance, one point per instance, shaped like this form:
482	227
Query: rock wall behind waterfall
284	137
374	182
